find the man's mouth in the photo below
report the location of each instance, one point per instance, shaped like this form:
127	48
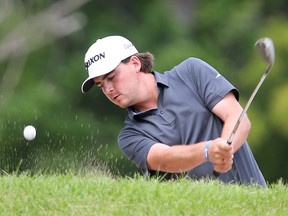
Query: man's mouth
115	98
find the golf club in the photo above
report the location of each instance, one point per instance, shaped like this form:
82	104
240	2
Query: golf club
266	49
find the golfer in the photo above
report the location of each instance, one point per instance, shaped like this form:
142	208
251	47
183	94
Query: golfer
178	121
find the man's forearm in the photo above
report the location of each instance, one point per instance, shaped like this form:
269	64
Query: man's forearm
177	158
240	135
181	158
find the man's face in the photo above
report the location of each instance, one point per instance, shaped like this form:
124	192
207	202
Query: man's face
121	85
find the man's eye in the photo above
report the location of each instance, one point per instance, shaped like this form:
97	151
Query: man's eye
111	77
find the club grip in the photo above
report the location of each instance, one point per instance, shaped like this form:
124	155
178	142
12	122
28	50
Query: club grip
216	174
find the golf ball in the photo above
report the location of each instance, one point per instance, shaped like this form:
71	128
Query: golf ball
29	132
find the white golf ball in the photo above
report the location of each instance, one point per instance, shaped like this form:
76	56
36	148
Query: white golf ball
29	132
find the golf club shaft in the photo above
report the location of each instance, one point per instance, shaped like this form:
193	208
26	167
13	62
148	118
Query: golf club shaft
231	137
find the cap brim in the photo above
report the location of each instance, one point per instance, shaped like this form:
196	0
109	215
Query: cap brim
87	85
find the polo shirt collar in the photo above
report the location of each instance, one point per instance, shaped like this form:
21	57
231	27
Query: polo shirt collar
161	79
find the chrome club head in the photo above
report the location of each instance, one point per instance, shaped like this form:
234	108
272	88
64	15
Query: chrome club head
265	47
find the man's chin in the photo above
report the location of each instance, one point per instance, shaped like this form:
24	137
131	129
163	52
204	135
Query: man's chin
121	105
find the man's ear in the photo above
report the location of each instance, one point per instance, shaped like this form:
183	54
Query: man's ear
136	62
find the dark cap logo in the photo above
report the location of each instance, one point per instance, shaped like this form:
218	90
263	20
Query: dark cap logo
94	59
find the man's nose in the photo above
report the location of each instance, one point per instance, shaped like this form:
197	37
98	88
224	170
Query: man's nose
108	87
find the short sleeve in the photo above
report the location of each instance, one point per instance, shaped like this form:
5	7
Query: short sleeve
209	83
135	144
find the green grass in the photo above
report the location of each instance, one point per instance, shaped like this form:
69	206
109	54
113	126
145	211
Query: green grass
97	194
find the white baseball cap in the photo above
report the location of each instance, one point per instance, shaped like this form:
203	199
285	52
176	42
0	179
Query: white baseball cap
104	56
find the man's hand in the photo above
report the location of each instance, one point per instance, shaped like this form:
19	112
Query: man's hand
221	155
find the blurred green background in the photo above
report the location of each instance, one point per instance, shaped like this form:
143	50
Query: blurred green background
42	47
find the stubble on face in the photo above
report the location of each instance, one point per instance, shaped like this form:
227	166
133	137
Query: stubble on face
123	86
127	86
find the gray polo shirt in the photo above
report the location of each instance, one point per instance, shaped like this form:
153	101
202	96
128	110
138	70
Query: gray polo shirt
187	93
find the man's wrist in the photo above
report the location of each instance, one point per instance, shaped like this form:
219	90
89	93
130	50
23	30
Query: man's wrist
206	149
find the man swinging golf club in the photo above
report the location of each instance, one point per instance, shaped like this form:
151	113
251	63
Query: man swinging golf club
178	121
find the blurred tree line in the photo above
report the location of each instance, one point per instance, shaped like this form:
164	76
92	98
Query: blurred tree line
42	47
